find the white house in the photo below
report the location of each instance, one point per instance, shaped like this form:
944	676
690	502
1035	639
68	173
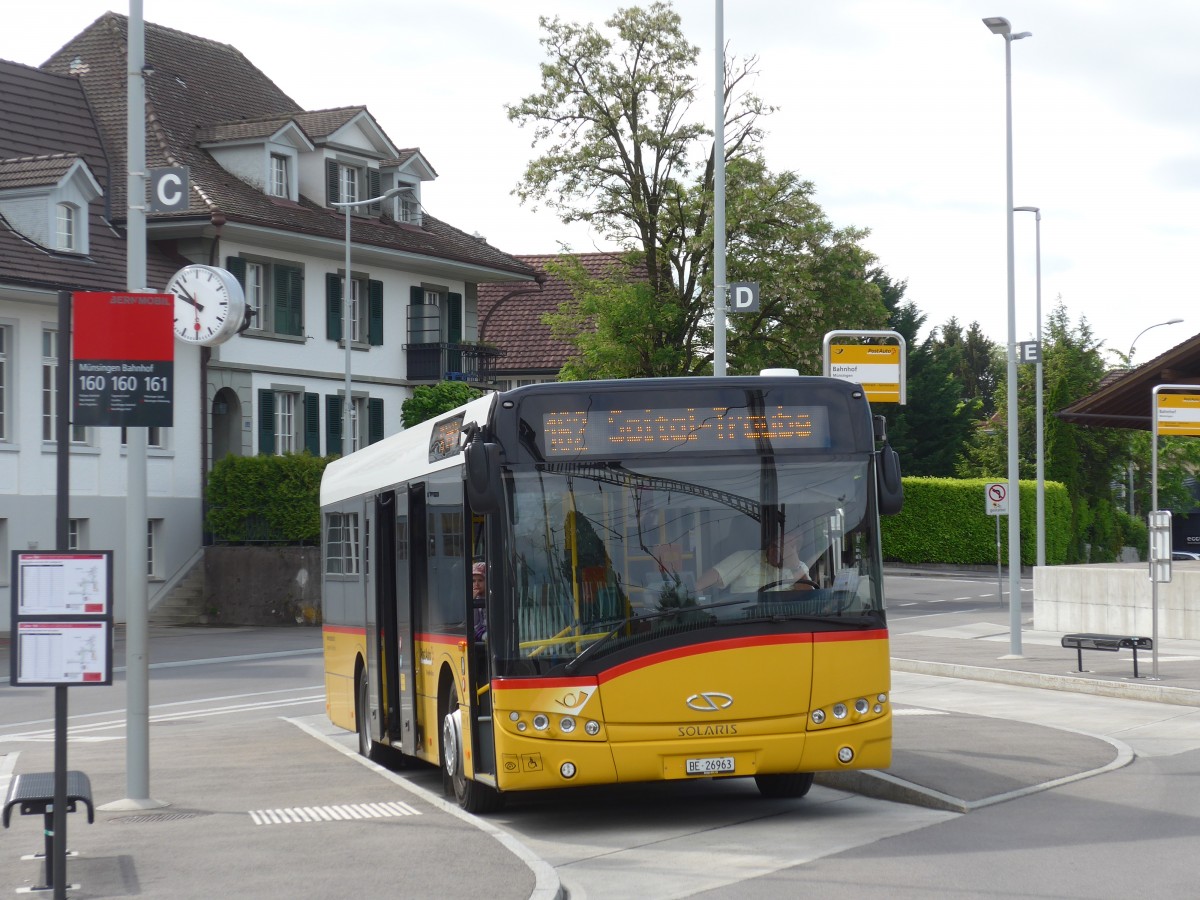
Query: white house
263	173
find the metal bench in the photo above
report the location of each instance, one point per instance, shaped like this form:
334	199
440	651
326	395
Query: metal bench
1107	642
34	794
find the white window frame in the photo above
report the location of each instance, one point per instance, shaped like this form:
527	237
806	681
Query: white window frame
348	186
66	227
358	429
342	544
77	530
156	437
289	416
153	533
278	172
77	433
5	388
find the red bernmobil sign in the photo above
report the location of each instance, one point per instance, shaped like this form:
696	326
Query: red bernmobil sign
123	360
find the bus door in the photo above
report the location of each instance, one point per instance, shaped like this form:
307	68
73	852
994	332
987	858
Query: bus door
395	621
368	585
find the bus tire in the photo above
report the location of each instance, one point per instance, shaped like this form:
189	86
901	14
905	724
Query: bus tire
472	796
362	715
793	784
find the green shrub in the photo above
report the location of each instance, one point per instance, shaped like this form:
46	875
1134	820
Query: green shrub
945	520
266	498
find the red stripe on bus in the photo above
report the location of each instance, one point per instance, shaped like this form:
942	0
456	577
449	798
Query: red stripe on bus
501	684
345	629
829	637
440	638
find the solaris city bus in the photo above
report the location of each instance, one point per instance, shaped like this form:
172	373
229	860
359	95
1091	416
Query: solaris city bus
620	644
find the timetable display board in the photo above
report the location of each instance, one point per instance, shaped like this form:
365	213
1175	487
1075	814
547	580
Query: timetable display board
62	618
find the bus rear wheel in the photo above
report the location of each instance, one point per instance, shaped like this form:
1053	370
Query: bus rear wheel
470	795
793	784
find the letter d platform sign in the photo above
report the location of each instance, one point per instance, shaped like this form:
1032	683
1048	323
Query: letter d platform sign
743	296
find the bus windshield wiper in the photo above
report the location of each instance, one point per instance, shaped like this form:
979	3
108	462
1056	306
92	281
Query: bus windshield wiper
644	617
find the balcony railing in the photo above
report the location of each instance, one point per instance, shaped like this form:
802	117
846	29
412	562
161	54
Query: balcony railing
475	363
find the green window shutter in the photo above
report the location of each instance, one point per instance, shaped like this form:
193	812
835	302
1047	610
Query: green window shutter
333	192
374	189
288	289
374	419
333	306
236	266
312	424
416	295
333	424
266	423
375	313
454	318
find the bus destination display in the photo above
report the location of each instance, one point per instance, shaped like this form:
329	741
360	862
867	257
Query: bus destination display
714	428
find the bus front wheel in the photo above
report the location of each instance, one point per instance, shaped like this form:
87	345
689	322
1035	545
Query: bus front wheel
470	795
793	784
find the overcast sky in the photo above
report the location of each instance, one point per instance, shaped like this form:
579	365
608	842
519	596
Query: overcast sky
894	109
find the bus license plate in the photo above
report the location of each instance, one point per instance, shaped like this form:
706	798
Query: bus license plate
711	765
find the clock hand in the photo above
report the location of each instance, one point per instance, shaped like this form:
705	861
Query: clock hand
188	298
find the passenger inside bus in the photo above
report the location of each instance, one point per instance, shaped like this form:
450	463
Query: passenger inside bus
478	599
776	567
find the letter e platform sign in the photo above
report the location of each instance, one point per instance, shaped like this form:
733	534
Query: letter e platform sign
123	360
996	497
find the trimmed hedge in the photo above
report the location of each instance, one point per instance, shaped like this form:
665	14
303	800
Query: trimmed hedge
945	520
266	499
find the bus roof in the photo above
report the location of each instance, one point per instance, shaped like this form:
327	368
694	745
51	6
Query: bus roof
397	458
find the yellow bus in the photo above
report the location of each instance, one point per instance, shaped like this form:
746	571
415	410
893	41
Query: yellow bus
682	579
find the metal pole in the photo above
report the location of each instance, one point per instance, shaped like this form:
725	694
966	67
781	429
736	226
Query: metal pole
348	406
137	667
1041	425
1014	490
719	286
56	868
1153	509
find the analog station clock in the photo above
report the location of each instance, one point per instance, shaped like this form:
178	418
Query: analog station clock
209	305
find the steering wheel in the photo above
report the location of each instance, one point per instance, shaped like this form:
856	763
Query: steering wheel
789	582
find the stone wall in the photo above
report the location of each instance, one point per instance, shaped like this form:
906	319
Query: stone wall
262	585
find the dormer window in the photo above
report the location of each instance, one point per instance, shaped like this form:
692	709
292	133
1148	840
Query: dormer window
408	207
278	184
347	183
67	219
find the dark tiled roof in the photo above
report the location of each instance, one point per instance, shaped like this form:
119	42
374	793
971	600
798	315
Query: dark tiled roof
510	316
1123	398
35	171
201	89
47	117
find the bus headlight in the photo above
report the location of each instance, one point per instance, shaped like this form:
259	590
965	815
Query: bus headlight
541	722
592	727
839	712
567	770
845	755
818	716
567	724
861	706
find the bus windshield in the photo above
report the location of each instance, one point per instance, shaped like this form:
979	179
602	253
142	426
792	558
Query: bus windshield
617	553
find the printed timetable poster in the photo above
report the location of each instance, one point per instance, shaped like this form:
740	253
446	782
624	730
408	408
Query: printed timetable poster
62	617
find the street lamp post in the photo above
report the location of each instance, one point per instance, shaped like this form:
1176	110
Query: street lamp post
1129	362
1001	26
348	405
1041	453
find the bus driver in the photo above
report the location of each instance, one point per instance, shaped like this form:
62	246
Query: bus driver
777	567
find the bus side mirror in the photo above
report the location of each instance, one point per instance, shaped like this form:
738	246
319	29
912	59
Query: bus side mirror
482	470
891	488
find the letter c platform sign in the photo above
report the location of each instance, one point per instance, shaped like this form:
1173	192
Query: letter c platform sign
169	189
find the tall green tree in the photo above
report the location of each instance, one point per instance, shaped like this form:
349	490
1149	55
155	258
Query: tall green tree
621	150
1088	461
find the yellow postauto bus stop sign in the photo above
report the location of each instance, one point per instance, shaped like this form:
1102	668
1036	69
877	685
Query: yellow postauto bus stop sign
874	366
1179	414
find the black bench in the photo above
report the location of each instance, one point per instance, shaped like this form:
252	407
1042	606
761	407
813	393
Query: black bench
34	794
1108	642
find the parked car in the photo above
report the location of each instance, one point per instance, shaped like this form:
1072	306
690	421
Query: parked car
1185	554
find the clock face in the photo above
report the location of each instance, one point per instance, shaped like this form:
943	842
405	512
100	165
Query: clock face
209	305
